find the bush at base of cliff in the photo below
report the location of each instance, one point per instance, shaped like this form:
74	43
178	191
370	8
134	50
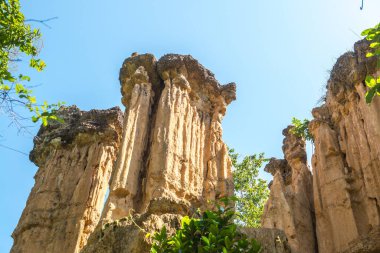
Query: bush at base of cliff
210	231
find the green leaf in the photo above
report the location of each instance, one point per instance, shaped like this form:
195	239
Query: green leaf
37	64
366	31
19	88
34	119
206	240
370	81
374	45
44	121
4	87
227	242
185	220
32	100
369	95
24	78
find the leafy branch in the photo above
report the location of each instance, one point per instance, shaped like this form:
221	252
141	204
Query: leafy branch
18	40
42	21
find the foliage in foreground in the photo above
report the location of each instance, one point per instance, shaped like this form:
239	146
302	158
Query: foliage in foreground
211	232
301	129
18	40
373	82
251	192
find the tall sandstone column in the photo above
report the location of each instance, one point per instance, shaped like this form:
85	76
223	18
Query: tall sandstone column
346	163
172	158
172	149
290	204
75	160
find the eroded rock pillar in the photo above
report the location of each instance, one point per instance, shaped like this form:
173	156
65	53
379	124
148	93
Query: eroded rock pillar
290	204
172	148
75	160
346	163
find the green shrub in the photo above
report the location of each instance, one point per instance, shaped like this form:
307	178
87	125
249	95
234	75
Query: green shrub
210	231
301	129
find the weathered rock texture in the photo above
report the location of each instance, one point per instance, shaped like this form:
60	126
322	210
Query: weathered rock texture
346	163
346	168
128	235
271	240
172	158
172	146
75	159
290	204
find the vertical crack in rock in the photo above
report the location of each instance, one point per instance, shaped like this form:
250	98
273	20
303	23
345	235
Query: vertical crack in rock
140	86
290	204
347	158
75	159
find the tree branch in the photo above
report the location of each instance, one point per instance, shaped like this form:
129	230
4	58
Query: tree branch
42	21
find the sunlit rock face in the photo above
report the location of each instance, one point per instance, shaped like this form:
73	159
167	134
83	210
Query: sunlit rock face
172	158
75	160
290	204
346	168
346	162
172	148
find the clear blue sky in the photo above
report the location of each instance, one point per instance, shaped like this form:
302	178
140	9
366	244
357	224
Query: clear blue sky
278	52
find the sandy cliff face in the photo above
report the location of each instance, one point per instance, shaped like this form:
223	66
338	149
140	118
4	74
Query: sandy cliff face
346	163
75	161
172	158
290	204
346	169
172	146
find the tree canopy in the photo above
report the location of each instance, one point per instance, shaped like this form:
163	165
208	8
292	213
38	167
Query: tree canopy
251	192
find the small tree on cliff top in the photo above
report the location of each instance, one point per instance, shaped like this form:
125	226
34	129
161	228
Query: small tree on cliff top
301	129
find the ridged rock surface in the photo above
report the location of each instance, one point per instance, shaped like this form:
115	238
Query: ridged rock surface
172	146
75	160
346	162
290	204
271	240
128	235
